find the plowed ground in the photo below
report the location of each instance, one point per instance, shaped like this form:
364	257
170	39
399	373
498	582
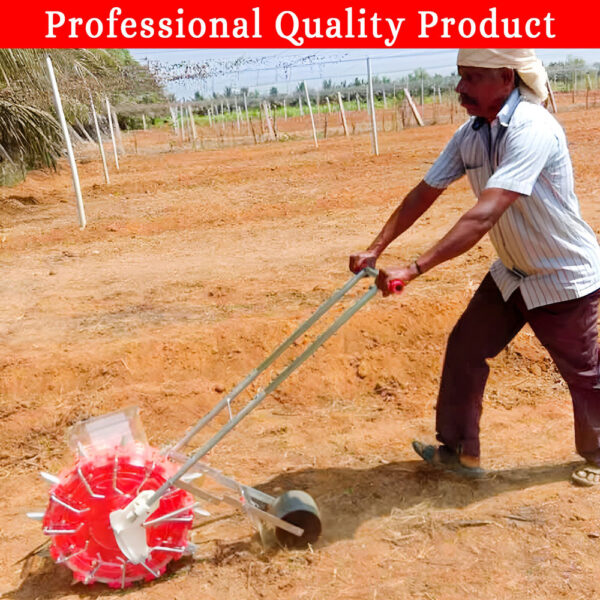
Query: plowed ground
193	267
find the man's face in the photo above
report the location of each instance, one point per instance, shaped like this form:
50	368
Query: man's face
482	91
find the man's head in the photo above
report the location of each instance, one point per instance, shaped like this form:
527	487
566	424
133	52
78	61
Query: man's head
489	75
483	91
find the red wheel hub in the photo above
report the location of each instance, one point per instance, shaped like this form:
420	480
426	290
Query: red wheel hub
77	517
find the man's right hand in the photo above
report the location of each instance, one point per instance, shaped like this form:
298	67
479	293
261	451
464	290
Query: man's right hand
360	260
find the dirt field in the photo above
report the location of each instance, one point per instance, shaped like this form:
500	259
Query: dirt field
193	267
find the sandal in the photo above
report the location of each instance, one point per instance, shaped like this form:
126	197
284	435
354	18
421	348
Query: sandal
587	475
443	457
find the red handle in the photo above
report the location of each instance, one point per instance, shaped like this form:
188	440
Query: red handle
395	286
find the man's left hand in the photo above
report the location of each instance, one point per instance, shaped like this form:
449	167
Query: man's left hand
405	274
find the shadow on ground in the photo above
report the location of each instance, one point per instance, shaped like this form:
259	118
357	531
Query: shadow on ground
346	497
349	497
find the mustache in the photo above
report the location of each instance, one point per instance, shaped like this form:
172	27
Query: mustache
464	99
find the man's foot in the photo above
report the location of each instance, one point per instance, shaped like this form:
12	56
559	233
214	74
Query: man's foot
443	457
587	475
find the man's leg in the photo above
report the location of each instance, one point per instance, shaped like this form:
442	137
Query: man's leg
569	331
485	328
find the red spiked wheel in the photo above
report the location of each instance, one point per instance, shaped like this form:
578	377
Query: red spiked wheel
77	517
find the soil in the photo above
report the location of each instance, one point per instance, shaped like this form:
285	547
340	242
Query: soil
193	267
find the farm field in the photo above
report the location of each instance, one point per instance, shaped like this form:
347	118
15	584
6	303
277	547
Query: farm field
193	267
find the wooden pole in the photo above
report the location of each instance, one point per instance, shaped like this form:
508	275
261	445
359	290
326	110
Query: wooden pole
99	136
328	104
70	153
174	120
374	141
237	116
181	123
269	121
192	125
551	96
413	107
247	116
144	121
312	119
284	111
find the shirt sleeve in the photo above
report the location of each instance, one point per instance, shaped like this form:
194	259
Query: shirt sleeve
449	165
528	148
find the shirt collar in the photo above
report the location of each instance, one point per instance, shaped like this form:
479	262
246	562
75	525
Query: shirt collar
506	112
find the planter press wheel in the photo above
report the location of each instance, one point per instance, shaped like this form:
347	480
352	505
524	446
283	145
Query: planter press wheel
300	509
77	517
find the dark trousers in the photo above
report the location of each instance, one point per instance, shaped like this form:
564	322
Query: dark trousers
568	330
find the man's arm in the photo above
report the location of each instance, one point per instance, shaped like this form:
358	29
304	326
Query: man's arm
416	202
469	229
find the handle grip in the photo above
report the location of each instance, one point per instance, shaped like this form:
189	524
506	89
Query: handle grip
396	286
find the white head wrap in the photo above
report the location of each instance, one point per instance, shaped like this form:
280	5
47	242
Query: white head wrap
529	67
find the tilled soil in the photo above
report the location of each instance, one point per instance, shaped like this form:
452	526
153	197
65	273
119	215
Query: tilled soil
193	267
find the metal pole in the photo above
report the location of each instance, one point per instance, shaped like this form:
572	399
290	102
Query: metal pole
303	328
311	349
70	154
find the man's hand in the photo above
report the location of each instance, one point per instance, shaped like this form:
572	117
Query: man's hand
360	260
405	274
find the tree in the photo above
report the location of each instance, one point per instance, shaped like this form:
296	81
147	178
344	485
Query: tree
273	91
30	135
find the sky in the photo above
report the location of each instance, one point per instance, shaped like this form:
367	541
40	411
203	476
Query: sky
286	68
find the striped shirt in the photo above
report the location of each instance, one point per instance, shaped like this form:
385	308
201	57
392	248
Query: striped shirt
544	246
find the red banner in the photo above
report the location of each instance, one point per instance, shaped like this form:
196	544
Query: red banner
307	24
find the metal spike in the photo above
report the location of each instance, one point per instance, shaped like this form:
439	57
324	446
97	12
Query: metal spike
49	478
174	549
91	574
64	559
68	506
201	512
50	531
114	477
87	485
36	515
149	569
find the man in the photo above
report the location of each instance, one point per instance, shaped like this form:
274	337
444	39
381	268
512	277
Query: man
548	272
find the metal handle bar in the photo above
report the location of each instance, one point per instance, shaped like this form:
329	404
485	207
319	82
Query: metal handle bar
259	397
242	385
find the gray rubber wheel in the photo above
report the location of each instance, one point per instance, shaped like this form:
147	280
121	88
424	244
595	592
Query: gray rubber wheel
298	508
